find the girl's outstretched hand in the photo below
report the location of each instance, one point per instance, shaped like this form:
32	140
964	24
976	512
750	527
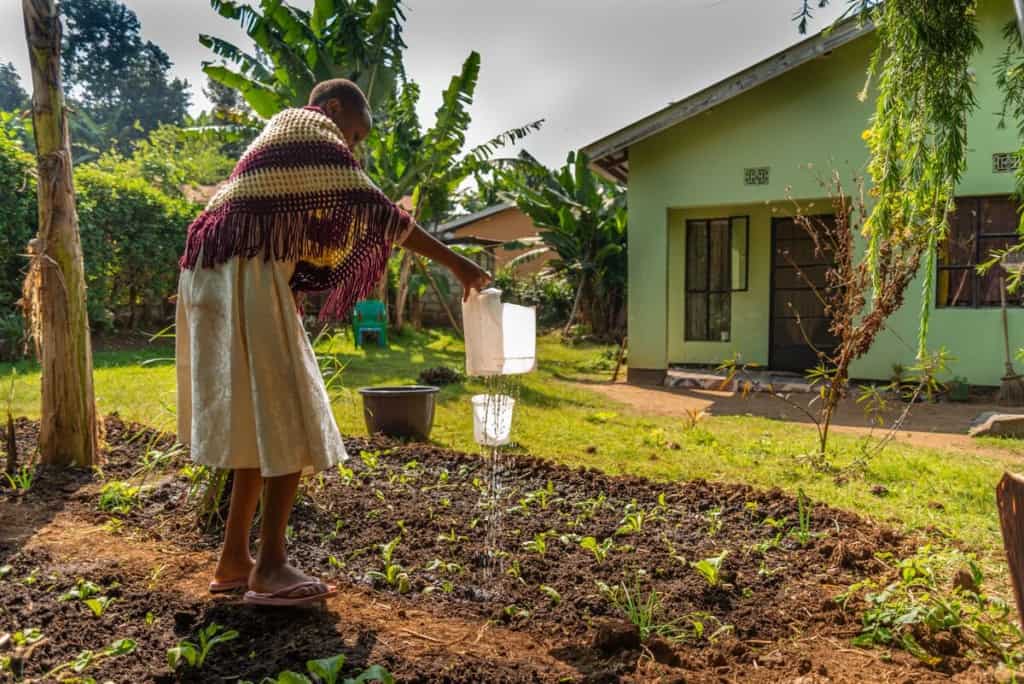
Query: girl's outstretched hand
472	277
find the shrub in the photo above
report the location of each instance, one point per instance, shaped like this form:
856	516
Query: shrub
551	294
132	236
17	212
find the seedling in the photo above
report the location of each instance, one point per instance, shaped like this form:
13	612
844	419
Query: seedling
541	497
699	623
118	497
643	612
600	550
26	637
775	524
394	574
539	543
589	507
346	474
710	569
514	611
438	565
714	519
154	458
514	571
22	479
451	537
370	459
83	590
86	658
633	520
802	533
98	605
551	593
195	654
769	544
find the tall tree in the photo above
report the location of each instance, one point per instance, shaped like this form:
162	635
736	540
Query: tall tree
360	40
55	286
119	83
12	95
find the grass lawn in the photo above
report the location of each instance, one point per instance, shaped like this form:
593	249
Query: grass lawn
560	419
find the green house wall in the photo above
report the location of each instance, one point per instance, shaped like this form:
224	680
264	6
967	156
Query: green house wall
801	124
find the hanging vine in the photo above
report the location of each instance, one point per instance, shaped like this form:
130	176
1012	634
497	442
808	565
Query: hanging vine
917	139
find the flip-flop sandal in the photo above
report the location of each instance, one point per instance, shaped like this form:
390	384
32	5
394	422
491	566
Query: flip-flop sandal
229	585
284	597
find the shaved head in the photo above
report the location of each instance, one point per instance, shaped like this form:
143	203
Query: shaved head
344	102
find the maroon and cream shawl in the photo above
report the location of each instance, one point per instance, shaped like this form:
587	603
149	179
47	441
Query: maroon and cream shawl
298	194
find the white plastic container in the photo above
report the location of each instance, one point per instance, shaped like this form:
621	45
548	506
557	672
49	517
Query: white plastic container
492	419
501	339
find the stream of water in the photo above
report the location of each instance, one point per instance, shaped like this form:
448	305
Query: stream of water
503	393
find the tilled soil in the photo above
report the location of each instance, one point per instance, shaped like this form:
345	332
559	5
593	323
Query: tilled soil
543	608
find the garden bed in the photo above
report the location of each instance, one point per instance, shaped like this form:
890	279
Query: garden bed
743	580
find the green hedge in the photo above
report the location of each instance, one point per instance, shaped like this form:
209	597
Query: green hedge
132	235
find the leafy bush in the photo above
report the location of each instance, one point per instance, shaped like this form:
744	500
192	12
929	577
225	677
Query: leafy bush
12	336
132	236
551	294
17	211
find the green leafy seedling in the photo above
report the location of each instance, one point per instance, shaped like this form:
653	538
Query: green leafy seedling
600	550
83	589
393	574
710	569
98	605
118	497
195	654
551	593
539	543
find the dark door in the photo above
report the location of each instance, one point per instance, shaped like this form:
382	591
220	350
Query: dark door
798	321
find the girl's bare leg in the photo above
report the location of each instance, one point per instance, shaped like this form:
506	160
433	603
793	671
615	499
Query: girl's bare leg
235	559
272	571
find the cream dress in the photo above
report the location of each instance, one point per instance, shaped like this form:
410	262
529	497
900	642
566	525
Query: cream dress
250	393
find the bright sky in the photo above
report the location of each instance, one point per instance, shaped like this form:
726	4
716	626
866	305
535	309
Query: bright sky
588	67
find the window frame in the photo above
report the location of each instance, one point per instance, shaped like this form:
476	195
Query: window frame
977	256
707	291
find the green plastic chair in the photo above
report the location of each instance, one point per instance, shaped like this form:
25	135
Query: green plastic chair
370	315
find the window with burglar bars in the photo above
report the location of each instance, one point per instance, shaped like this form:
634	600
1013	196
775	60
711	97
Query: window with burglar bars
716	266
977	226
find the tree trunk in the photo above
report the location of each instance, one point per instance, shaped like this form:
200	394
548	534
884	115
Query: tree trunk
68	432
402	296
575	305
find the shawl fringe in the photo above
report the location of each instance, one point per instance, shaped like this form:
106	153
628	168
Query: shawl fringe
357	224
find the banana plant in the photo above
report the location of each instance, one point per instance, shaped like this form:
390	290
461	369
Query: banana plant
428	166
582	219
360	40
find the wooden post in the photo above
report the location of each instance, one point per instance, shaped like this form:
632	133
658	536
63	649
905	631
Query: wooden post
1010	500
437	290
618	359
56	280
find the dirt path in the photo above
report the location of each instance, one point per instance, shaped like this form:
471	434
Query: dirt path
937	426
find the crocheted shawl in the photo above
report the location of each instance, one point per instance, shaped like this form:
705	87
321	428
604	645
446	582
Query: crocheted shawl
298	194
